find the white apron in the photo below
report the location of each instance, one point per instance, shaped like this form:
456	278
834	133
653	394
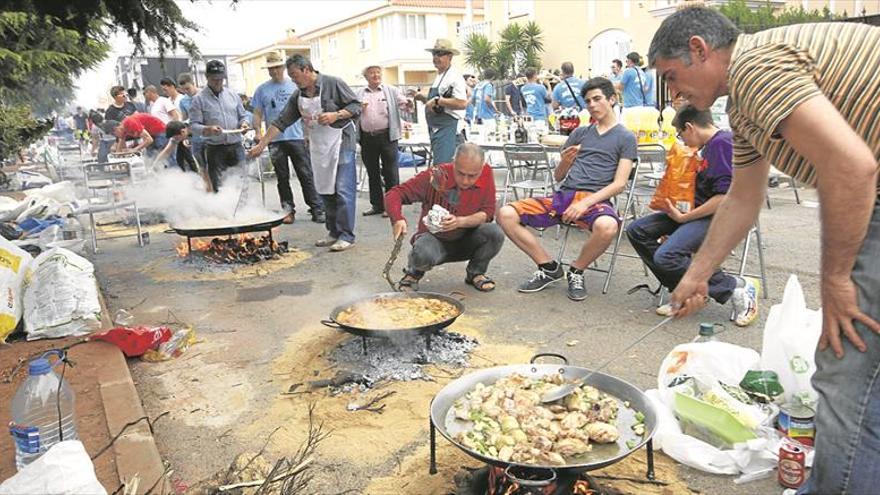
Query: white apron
324	143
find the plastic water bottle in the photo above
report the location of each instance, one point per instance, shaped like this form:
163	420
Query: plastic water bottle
71	229
35	413
707	333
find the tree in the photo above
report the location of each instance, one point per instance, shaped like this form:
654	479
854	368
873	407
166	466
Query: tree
46	45
766	16
518	47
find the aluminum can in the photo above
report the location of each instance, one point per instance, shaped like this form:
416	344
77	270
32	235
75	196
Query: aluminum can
792	469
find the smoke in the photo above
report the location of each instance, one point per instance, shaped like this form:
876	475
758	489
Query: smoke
183	201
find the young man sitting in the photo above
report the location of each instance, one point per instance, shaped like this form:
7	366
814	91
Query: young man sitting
595	166
685	231
466	189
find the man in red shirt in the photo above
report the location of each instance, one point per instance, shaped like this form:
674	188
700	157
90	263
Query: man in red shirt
466	188
149	129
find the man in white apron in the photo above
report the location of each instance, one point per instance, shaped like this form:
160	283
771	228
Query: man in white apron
329	110
445	103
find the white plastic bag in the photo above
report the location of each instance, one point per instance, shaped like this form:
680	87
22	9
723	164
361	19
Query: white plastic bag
710	363
62	192
14	263
63	469
60	296
791	334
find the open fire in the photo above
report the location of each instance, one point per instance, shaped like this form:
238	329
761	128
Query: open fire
239	249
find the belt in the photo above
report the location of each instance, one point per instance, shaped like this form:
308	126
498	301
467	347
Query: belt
224	144
375	133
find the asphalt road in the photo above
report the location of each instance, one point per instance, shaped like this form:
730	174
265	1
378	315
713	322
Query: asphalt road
228	382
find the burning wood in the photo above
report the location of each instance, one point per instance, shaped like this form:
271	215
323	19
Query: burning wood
241	249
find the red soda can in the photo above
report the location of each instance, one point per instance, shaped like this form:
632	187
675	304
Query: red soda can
792	468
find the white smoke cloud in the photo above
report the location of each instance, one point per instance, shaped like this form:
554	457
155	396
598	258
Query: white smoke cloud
183	201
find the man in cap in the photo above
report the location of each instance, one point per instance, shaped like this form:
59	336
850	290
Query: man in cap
329	110
269	99
795	101
445	102
216	109
380	131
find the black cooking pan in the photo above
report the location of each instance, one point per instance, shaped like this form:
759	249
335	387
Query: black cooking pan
195	230
443	415
384	332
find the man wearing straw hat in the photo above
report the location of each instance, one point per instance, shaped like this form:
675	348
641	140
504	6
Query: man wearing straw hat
269	98
445	102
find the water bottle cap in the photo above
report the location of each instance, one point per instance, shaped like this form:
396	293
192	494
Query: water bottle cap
707	329
39	366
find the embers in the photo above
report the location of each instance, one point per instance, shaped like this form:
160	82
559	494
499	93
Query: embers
240	249
519	481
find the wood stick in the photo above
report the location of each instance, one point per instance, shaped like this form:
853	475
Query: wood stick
296	470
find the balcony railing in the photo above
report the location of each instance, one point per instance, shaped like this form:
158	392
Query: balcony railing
484	28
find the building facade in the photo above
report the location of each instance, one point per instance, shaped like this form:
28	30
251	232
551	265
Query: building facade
252	64
393	36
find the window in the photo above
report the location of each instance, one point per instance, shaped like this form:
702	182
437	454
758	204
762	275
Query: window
414	26
332	51
457	29
386	24
519	8
315	49
364	38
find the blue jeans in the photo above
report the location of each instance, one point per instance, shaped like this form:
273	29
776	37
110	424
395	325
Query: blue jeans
848	416
669	261
339	208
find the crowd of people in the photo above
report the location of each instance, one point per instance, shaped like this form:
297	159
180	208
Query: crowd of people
784	108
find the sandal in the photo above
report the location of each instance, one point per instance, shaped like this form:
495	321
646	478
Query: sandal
409	283
480	282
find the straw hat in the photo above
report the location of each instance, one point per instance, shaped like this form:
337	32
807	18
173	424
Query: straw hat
273	60
444	46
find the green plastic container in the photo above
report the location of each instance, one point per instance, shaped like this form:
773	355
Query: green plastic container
711	424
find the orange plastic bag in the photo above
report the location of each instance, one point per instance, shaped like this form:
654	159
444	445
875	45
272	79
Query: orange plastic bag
679	181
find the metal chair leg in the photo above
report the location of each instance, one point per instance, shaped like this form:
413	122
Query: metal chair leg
562	247
760	242
94	233
137	220
793	183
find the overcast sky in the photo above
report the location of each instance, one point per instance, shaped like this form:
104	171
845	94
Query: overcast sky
230	28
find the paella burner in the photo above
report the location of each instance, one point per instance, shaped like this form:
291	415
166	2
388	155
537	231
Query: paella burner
491	480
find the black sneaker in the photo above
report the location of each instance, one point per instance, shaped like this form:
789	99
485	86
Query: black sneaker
577	291
318	217
541	279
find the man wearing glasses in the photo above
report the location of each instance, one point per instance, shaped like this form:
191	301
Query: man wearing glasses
685	230
268	100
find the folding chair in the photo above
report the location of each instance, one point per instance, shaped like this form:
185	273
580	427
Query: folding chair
419	150
792	184
628	211
528	170
744	257
107	177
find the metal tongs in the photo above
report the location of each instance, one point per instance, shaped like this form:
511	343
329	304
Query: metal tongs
398	243
567	388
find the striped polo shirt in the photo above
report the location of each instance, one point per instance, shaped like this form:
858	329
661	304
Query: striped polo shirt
774	71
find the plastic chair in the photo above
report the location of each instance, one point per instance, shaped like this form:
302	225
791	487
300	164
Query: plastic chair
107	177
626	213
528	170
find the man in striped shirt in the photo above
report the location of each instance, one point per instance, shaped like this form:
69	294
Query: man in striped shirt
804	98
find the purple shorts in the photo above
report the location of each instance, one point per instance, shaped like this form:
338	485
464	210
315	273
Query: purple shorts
541	213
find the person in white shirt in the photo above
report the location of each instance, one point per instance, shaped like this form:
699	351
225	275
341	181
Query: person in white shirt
160	106
170	88
445	102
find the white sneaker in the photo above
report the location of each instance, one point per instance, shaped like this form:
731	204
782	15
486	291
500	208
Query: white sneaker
664	310
328	241
341	245
745	302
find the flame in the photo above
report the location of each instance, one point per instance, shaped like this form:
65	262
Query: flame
243	248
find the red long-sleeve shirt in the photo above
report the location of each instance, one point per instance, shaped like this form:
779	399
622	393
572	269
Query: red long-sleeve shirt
460	202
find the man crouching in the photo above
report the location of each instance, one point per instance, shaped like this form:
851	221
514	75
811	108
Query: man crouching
466	189
595	166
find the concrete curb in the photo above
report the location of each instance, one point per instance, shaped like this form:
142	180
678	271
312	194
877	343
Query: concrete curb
135	450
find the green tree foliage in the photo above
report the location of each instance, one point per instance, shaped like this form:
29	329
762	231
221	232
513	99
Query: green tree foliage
45	45
18	129
766	16
518	47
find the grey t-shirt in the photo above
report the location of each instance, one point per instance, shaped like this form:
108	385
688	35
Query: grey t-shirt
597	160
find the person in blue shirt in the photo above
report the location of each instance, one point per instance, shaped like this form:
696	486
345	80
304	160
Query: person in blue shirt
567	94
535	95
484	96
197	143
633	83
289	146
651	91
471	81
